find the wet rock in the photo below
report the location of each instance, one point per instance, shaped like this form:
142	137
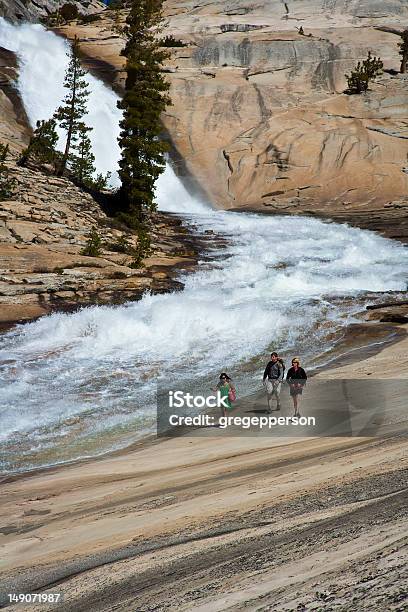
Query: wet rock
72	421
14	128
390	314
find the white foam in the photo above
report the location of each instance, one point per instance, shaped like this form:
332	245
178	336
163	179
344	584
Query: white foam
42	64
275	285
172	196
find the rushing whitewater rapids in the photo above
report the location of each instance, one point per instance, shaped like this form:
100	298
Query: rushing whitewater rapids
80	384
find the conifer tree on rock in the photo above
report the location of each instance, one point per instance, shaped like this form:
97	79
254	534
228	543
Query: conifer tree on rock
41	149
70	114
145	98
359	78
81	160
7	183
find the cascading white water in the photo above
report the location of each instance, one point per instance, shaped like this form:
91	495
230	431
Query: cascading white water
42	63
79	384
43	59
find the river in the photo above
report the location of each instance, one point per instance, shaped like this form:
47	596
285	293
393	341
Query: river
78	385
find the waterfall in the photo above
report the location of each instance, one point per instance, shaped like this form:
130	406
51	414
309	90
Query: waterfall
43	59
78	384
42	63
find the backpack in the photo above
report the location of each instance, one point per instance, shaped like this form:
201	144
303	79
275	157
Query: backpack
282	364
232	396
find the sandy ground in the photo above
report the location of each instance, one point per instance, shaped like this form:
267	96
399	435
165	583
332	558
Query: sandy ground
217	522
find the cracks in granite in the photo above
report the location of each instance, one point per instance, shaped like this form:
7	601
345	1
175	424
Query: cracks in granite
265	113
387	132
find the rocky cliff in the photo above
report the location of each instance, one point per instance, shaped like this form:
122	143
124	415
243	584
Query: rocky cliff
14	129
33	10
43	229
46	224
259	120
259	117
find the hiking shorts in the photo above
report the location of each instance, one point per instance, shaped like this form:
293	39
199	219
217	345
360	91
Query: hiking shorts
273	387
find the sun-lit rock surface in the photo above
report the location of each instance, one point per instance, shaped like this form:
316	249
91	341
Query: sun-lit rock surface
259	117
47	222
43	228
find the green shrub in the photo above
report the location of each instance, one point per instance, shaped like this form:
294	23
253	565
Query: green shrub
170	41
138	253
41	149
119	274
93	246
359	78
69	11
7	183
89	18
116	5
120	246
142	249
101	181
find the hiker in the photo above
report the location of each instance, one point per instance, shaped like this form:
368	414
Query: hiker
296	377
272	379
227	391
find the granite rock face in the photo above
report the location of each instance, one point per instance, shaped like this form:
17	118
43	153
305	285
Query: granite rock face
14	129
46	224
44	228
33	10
260	119
259	113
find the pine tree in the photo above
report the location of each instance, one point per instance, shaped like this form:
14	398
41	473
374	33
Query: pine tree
101	181
70	114
81	160
359	78
93	247
403	46
41	149
145	98
7	183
